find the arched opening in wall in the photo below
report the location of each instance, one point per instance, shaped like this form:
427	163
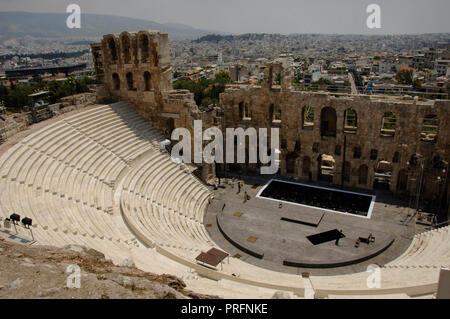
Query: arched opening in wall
347	172
308	118
326	167
291	159
116	81
328	122
350	121
126	49
147	81
396	157
112	49
402	180
247	112
306	166
277	78
241	110
438	162
130	82
170	126
382	175
388	124
275	113
414	160
144	47
429	128
363	173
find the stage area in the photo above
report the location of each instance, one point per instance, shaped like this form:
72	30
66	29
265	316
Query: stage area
319	197
297	238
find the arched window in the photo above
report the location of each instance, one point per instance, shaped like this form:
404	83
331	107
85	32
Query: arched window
126	49
350	121
429	128
130	83
247	111
328	122
244	111
241	110
116	81
388	124
144	44
112	49
308	118
147	81
275	113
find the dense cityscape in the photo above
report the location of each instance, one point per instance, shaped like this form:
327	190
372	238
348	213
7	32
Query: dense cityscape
400	64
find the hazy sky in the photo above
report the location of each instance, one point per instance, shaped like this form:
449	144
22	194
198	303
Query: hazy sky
269	16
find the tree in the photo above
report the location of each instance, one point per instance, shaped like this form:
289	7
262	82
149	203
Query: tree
223	77
405	76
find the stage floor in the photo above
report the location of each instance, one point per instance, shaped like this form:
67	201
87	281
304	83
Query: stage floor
279	234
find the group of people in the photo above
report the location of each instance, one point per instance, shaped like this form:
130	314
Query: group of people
246	195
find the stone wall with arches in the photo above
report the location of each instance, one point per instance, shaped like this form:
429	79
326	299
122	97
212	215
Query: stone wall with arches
359	141
367	133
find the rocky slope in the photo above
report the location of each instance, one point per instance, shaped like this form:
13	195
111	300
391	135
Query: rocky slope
42	272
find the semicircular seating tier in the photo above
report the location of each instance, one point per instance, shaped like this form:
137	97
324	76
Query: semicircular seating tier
99	179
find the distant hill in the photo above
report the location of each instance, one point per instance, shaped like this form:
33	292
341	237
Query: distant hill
220	37
53	25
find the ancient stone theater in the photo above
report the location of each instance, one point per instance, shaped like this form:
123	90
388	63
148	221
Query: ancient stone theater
357	209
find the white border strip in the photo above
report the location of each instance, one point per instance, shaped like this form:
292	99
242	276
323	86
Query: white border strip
369	213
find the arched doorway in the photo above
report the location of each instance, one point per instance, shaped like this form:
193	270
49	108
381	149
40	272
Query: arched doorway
147	81
306	166
402	180
170	124
382	175
290	163
116	81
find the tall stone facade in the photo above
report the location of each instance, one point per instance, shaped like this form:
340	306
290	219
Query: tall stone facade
351	140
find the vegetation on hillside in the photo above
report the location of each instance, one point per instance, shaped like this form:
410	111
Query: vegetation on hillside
206	91
16	97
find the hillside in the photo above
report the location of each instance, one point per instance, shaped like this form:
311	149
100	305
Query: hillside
40	272
53	25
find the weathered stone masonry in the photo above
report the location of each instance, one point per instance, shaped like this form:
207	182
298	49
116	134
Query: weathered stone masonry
382	131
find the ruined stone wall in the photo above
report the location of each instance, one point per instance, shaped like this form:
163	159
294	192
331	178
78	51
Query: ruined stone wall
135	66
304	144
